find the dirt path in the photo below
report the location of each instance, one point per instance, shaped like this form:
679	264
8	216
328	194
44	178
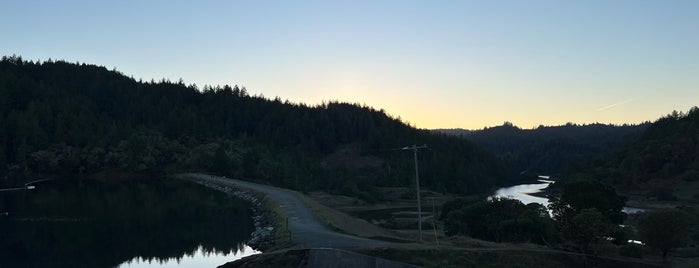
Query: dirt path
308	231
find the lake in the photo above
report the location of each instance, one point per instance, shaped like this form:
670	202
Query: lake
137	223
523	192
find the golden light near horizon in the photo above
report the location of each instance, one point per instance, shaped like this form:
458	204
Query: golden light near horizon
436	65
433	105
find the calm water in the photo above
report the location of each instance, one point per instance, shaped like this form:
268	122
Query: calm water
522	192
145	223
200	258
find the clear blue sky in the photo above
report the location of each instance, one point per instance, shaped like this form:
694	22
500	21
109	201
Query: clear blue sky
435	64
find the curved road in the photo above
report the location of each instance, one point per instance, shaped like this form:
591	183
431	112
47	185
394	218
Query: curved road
308	231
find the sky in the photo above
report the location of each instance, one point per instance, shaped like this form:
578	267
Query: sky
434	64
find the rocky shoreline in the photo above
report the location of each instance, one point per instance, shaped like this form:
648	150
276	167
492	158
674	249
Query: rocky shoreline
262	220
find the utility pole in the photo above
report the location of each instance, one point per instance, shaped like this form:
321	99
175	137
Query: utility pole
417	187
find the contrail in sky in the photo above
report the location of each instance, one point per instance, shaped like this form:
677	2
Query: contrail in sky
614	105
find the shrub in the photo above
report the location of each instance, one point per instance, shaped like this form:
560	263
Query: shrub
632	250
691	175
664	195
499	220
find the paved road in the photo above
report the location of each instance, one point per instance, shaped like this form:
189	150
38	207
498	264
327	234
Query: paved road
308	231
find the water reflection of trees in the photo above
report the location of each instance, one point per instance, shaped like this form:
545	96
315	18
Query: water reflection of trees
102	224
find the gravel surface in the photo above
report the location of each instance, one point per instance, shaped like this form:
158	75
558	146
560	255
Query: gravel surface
307	230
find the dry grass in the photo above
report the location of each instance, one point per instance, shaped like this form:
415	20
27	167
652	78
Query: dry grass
345	223
281	237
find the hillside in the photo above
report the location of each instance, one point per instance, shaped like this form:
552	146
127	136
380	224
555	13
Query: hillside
60	119
550	150
663	163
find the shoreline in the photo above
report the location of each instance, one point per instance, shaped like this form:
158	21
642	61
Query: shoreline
298	225
262	238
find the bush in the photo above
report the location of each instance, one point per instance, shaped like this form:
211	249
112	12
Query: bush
499	220
362	191
457	204
691	175
620	235
632	250
694	238
665	229
664	195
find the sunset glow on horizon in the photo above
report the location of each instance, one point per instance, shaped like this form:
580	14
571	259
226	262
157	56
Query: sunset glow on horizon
451	64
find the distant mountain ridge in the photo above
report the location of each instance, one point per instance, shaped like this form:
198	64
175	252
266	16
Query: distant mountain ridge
550	150
69	119
664	162
453	131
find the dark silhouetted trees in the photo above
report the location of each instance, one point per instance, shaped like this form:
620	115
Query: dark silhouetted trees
665	229
551	150
579	195
499	220
62	119
587	210
666	157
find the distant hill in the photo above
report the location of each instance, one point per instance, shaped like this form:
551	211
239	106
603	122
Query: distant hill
550	150
459	132
61	119
664	162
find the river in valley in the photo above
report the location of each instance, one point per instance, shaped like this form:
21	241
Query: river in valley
138	223
524	193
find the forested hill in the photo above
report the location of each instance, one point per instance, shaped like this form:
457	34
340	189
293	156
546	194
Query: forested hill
664	161
551	149
66	119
